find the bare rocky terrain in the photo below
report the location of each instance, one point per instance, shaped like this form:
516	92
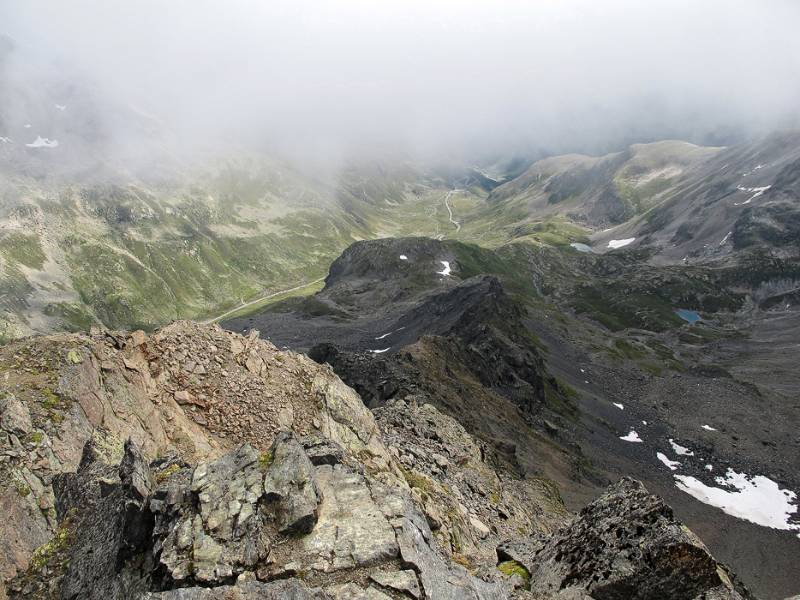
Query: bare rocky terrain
514	344
124	483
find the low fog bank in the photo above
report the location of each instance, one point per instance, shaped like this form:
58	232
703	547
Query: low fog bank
467	81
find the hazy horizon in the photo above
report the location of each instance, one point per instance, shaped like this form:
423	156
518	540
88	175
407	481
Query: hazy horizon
465	79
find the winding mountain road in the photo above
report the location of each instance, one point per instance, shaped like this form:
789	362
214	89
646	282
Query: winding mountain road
449	210
259	299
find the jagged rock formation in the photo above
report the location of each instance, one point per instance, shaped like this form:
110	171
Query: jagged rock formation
189	392
475	322
314	498
240	518
470	501
626	544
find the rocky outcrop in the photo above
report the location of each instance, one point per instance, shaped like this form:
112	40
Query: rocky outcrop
291	486
290	589
212	528
339	504
188	392
470	502
104	522
245	525
478	325
626	544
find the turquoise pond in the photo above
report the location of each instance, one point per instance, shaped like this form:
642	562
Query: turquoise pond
690	316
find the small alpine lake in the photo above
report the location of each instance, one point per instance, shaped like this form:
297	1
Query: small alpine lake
690	316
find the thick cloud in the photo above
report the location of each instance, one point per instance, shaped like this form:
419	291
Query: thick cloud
442	77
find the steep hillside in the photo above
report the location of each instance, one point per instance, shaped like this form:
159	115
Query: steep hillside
744	198
600	191
197	464
142	254
580	367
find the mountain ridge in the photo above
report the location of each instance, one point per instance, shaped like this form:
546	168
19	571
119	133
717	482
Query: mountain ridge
166	519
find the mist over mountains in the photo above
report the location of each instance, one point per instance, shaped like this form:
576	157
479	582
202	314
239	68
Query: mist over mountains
350	300
471	81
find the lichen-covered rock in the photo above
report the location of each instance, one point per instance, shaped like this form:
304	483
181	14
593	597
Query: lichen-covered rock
290	485
627	544
404	582
352	591
217	530
15	418
352	530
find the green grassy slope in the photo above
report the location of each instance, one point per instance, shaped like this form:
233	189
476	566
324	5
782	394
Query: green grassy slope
140	255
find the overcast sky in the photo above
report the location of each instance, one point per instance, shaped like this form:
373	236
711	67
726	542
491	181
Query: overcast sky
435	76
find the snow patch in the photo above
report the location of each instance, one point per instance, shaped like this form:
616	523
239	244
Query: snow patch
709	467
446	270
403	257
725	239
672	464
680	450
756	499
618	405
756	191
581	247
381	351
41	142
380	337
27	126
614	244
631	437
708	428
5	140
61	107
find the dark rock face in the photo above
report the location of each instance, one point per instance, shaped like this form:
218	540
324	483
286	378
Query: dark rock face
625	545
106	525
494	348
290	485
478	325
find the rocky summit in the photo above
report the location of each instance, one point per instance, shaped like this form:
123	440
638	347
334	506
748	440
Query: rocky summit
195	463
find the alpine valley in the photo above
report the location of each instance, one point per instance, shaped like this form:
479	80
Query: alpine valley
542	376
